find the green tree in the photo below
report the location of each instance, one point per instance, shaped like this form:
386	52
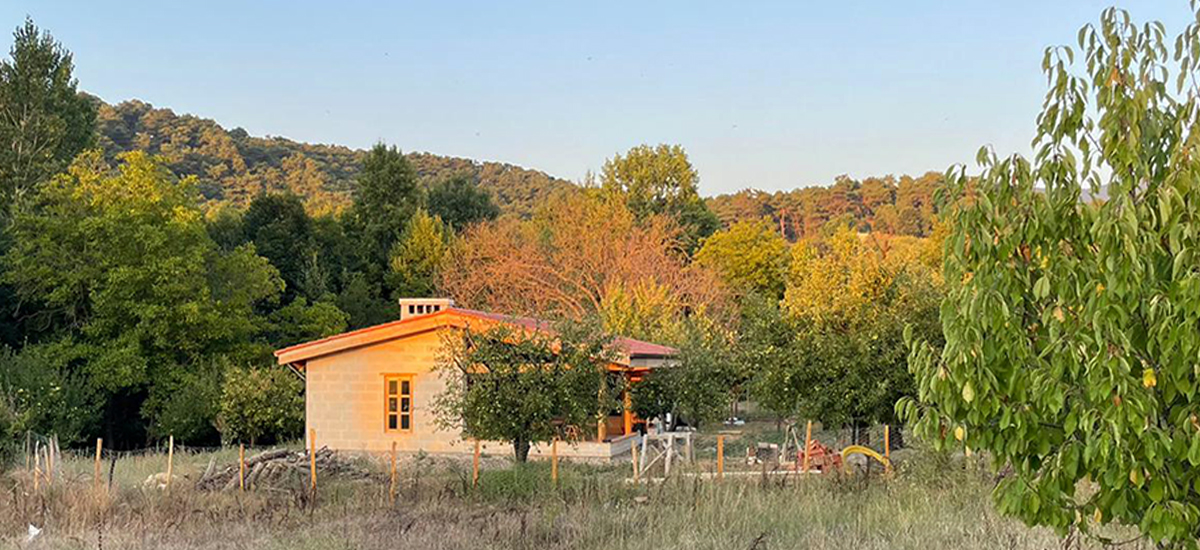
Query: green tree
362	302
841	357
417	256
261	403
523	386
282	232
750	256
39	392
387	196
701	384
44	120
300	321
1070	326
459	202
661	180
117	265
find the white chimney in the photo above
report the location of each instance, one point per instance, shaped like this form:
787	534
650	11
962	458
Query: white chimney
415	307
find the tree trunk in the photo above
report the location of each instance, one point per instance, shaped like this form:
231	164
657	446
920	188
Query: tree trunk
521	449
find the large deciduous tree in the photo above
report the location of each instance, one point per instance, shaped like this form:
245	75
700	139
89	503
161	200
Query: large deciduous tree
460	202
1071	324
511	384
116	267
751	256
661	180
282	232
841	358
582	255
260	403
704	379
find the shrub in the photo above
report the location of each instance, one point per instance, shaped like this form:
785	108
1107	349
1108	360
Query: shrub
260	403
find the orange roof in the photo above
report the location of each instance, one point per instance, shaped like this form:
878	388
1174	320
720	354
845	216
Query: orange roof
453	317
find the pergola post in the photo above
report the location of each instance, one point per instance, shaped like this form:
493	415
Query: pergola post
627	408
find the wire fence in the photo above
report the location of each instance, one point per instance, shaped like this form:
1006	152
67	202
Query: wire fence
759	446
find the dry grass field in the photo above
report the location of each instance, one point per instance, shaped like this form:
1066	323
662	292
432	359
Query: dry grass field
931	502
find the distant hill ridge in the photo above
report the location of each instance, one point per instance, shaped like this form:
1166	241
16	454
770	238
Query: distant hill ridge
233	167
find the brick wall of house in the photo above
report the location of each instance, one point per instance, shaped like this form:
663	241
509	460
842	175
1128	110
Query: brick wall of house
345	397
345	394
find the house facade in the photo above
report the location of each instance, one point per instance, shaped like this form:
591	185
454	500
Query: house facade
369	388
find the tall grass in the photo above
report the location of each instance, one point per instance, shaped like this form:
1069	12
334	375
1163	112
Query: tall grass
927	504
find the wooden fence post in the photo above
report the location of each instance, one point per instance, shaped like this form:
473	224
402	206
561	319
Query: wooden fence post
242	467
475	466
670	451
50	462
636	474
807	444
720	456
312	460
554	461
96	464
37	467
392	484
170	459
887	448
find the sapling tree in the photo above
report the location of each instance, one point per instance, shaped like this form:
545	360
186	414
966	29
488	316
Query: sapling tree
1072	321
526	386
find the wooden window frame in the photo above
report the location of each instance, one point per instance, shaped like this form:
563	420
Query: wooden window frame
400	379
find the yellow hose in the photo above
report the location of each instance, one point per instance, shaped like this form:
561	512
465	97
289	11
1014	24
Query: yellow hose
865	451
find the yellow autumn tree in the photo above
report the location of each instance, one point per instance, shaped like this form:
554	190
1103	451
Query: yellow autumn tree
751	256
835	280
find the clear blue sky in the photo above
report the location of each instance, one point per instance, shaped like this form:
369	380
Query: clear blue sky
772	95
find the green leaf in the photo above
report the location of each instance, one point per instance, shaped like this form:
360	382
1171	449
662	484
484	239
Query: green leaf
1041	288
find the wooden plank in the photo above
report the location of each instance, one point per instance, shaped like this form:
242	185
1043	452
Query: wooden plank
554	461
636	470
37	466
670	451
242	467
312	460
807	444
887	448
96	464
475	466
627	408
392	483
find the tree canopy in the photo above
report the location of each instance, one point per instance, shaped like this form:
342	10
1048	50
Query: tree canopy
750	256
660	180
510	384
581	255
459	202
115	263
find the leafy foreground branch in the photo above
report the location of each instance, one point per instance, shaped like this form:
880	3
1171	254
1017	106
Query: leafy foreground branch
1070	321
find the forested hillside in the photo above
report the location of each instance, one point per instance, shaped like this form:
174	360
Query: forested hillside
234	167
901	206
